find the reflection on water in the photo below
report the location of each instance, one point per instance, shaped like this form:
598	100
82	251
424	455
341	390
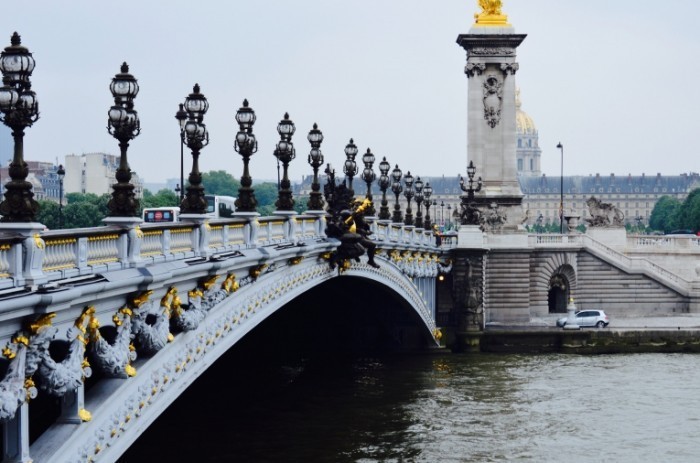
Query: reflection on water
437	408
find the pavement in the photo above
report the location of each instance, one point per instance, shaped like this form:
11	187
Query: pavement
671	321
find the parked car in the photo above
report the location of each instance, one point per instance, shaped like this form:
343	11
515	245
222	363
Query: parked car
588	318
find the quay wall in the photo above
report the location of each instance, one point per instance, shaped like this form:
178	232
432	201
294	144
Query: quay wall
590	341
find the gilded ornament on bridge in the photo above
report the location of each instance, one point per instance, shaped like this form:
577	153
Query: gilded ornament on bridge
230	285
113	359
491	14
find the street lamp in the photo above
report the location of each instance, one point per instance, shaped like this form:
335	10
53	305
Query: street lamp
442	213
350	166
449	213
470	214
368	176
561	190
384	183
418	188
196	138
124	125
181	116
246	145
396	188
284	152
20	109
408	193
427	193
61	173
315	138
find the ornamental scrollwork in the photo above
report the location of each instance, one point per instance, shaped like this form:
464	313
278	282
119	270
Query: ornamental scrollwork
493	100
151	324
510	68
112	352
491	51
472	69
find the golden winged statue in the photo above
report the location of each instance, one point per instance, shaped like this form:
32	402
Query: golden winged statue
491	14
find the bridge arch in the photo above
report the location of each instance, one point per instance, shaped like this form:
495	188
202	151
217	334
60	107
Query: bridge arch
124	408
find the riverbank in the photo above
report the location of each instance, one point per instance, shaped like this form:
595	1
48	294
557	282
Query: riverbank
666	334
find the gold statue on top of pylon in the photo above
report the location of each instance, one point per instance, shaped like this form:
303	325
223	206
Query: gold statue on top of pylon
491	14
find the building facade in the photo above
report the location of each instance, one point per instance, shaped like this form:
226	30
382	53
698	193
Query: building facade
95	173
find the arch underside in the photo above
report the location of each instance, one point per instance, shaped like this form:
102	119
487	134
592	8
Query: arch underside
122	409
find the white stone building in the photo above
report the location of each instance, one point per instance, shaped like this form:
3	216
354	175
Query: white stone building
95	173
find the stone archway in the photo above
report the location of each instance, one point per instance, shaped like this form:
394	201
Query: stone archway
558	294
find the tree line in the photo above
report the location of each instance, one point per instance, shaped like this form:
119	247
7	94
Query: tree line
83	210
670	214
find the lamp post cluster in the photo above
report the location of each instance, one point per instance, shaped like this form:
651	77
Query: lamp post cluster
470	213
285	152
315	138
368	176
19	109
196	138
246	145
124	125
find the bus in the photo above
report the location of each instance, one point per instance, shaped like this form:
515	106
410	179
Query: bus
161	214
220	206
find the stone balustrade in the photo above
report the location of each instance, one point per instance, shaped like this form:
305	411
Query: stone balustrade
73	253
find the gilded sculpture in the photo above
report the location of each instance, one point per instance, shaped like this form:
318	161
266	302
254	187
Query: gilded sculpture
491	14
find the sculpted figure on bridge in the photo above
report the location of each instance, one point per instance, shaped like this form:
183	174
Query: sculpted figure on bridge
59	377
604	214
113	353
13	389
347	224
152	332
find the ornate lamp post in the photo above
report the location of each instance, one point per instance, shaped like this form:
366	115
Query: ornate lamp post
418	188
442	213
20	109
196	138
350	166
284	152
61	174
449	214
246	145
408	193
124	125
396	188
561	190
384	182
315	137
427	193
368	176
471	216
181	116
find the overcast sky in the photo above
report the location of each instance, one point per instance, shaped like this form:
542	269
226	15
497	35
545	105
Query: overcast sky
615	82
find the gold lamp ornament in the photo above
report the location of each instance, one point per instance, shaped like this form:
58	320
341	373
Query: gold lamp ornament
491	15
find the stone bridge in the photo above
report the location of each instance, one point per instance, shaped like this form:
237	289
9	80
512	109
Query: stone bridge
114	323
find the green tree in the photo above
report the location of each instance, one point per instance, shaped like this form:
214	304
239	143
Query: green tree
164	198
266	195
48	214
220	182
688	214
81	198
81	214
664	215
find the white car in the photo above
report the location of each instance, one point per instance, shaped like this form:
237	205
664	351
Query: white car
588	318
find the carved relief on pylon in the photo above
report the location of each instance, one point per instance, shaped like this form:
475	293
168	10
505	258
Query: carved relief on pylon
493	100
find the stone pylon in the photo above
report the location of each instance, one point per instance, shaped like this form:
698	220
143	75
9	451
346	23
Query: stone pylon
491	127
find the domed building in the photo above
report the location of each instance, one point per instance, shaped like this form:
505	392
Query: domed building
528	150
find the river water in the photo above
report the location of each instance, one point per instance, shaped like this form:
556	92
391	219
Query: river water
437	408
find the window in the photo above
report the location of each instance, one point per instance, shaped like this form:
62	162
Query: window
532	164
520	165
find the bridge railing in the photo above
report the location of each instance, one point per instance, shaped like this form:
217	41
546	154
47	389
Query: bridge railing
60	254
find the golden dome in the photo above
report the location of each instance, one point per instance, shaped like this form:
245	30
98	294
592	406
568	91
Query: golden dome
523	123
